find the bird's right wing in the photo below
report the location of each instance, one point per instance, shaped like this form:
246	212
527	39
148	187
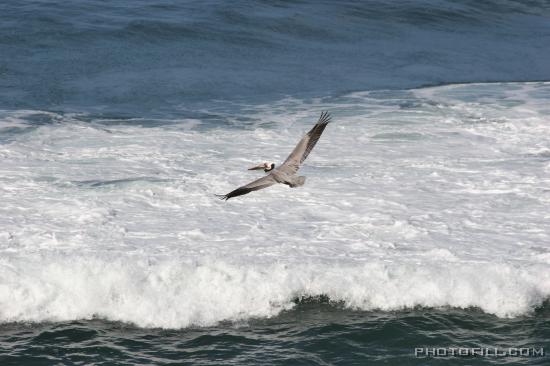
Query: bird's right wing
306	144
261	183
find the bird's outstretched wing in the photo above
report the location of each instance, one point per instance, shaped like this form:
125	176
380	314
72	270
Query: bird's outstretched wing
261	183
306	144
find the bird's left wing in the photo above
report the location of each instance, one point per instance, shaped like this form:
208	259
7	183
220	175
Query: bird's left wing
306	144
261	183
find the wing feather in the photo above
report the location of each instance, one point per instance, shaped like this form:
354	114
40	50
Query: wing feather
306	144
258	184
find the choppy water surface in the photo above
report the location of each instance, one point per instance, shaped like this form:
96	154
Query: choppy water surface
314	333
173	57
428	197
424	220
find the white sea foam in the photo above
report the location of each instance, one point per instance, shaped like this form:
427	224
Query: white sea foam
431	197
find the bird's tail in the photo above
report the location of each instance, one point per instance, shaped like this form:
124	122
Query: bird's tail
297	181
223	197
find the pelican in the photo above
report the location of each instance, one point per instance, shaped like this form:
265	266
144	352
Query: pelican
286	173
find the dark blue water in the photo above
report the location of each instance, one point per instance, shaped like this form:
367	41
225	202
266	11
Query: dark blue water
314	333
177	57
168	59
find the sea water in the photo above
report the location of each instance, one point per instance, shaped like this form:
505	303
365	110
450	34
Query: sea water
424	220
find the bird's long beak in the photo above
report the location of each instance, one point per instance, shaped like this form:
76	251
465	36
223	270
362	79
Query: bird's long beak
257	167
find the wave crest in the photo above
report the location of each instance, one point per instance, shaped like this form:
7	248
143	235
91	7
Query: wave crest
174	293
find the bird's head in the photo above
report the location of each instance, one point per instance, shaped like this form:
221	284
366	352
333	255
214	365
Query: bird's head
267	167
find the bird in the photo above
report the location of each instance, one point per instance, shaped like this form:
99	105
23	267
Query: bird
286	172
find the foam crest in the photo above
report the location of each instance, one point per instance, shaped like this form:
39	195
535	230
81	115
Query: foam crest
174	293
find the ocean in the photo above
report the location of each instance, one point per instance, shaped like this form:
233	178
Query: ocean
421	236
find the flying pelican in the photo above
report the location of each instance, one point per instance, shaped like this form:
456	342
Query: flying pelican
286	173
